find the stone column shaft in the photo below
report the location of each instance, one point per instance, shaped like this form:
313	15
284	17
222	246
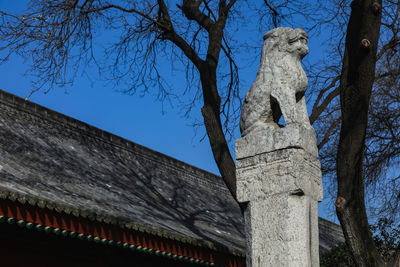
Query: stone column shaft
281	182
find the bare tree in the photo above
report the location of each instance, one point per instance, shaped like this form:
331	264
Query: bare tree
381	142
363	124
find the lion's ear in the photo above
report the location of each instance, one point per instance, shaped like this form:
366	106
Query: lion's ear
271	34
297	34
302	33
268	35
293	36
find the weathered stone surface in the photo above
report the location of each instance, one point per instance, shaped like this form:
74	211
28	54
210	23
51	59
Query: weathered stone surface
279	235
278	172
283	188
265	139
277	169
280	83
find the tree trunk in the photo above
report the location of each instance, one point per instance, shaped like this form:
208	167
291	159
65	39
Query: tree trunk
212	121
208	76
356	83
219	147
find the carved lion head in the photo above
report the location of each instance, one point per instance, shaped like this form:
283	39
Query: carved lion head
282	39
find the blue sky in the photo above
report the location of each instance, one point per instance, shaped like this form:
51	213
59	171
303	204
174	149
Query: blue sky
138	118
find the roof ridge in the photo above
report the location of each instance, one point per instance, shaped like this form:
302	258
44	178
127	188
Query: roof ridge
45	113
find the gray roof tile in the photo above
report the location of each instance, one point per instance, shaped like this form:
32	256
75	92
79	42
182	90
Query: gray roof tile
52	160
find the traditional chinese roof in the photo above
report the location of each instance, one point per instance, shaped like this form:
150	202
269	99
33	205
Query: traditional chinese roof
54	163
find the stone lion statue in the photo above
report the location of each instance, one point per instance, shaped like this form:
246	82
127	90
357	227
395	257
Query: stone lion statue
280	84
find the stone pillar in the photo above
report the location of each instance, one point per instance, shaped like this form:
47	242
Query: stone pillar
279	175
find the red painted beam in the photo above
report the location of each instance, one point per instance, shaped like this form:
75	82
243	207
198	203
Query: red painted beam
50	220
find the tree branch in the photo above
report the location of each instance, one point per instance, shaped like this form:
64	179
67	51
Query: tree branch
390	45
327	135
223	11
190	9
317	110
175	38
124	10
275	13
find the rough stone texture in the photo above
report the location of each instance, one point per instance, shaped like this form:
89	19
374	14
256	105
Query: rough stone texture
280	83
278	235
264	139
283	188
277	169
282	171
